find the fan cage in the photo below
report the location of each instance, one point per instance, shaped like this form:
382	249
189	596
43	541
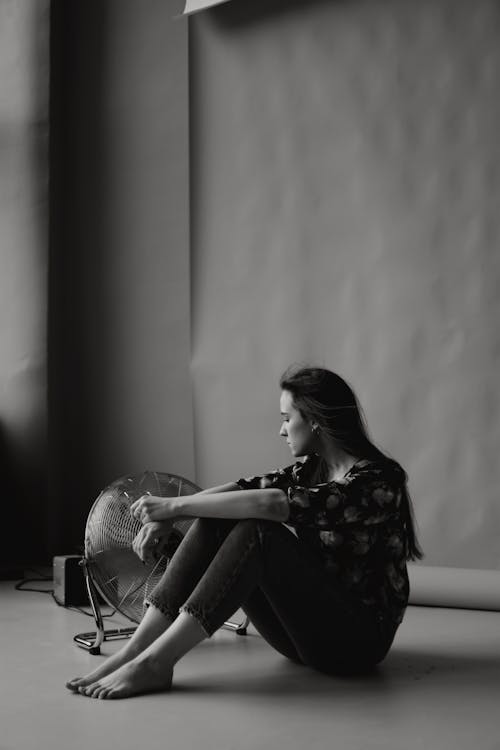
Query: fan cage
121	578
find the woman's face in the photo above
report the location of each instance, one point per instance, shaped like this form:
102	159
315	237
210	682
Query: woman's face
297	430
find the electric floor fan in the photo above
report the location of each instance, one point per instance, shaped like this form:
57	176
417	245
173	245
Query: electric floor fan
113	572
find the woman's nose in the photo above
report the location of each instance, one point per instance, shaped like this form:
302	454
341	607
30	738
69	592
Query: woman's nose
283	432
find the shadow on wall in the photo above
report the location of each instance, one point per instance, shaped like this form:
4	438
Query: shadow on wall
77	313
119	296
239	12
8	497
19	543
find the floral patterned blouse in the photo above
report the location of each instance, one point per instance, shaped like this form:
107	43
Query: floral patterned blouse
353	525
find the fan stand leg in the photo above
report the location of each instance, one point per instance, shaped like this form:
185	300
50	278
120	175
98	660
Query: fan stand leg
92	641
240	628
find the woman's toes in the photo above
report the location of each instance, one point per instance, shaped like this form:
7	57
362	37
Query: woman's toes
76	682
95	687
86	689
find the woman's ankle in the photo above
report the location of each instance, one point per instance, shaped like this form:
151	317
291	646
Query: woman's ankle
134	648
163	666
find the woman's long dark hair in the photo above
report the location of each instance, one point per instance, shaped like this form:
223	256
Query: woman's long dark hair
325	398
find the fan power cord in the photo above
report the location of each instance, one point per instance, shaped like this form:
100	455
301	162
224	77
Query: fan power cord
21	586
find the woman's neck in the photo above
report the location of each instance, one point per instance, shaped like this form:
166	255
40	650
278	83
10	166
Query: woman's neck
338	462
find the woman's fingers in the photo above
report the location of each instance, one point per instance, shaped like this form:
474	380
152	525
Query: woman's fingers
147	542
152	538
149	509
139	545
140	508
140	511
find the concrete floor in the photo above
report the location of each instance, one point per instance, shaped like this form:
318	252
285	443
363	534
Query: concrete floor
439	688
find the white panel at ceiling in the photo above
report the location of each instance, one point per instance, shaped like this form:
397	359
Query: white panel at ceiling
193	6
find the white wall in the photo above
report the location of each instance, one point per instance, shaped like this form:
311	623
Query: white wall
24	76
346	170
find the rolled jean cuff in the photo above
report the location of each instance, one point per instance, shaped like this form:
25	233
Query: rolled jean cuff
202	622
159	604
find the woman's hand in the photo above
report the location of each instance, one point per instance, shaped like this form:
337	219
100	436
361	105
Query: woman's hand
150	508
150	540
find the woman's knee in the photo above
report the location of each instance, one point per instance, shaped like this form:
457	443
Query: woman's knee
212	525
208	531
260	527
215	530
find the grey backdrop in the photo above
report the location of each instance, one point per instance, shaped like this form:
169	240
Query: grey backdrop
346	170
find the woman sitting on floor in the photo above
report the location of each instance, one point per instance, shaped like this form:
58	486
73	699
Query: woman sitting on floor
330	596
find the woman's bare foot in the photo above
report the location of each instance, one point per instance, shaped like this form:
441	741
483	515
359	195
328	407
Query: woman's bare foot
138	676
123	656
153	624
151	666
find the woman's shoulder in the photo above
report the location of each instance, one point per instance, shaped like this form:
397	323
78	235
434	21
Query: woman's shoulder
382	467
305	472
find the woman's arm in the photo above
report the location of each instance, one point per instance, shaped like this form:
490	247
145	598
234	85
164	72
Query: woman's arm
218	502
221	488
269	504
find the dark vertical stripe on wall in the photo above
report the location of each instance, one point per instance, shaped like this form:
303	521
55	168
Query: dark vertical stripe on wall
119	392
78	31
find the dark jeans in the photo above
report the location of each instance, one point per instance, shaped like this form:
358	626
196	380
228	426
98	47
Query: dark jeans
261	566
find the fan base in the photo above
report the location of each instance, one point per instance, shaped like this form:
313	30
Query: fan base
87	640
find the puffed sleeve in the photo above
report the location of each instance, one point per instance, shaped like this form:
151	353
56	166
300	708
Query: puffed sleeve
370	497
281	479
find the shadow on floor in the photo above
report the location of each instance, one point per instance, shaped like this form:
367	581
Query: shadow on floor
421	662
278	676
401	668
